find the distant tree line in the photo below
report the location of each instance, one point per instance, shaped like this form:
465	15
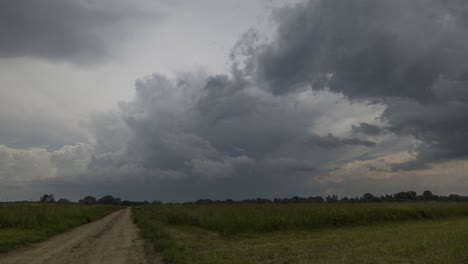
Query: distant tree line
111	200
408	196
106	199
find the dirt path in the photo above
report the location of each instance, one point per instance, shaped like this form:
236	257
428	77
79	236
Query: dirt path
111	240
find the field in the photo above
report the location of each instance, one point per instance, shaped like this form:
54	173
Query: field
22	224
422	232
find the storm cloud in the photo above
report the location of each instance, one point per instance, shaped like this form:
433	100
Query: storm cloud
409	55
222	129
175	141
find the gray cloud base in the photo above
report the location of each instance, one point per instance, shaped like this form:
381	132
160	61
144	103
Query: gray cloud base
64	30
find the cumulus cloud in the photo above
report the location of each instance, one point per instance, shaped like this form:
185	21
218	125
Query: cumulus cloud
23	166
65	30
218	126
213	136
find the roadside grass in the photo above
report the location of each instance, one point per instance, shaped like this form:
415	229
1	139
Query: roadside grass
22	224
308	233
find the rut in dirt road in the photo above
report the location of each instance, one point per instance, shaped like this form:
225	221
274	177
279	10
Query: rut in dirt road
111	240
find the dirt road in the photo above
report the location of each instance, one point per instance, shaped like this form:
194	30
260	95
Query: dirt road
111	240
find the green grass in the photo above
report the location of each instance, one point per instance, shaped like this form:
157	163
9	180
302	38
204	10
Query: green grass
436	241
308	233
22	224
262	218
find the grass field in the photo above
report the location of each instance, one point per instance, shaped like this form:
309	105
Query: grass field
308	233
22	224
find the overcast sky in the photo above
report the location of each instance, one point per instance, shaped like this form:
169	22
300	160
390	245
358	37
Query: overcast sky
182	100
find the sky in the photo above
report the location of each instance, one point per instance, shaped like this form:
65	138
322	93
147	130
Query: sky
183	100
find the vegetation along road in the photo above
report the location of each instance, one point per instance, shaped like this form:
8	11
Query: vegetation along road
113	239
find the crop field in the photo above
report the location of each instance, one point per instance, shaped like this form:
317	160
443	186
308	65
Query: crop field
419	232
22	224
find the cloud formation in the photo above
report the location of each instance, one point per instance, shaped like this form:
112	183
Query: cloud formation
211	136
211	127
344	87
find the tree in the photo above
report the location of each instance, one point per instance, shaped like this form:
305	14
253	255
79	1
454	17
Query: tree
317	199
47	198
63	201
204	201
87	200
109	199
331	199
427	195
368	197
406	196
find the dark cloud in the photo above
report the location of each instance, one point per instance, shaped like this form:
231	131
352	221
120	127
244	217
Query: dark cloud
215	136
365	48
440	128
331	141
64	30
409	55
367	129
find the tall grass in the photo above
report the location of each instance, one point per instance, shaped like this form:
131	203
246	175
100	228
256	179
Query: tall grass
26	223
232	219
239	218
